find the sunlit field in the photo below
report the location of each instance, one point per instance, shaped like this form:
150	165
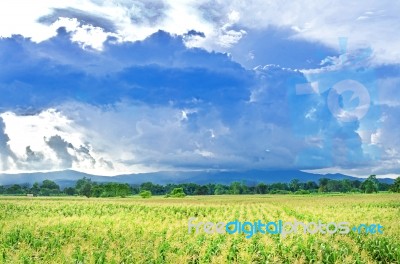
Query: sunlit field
155	230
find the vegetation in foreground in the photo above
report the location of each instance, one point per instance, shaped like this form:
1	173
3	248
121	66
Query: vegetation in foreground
155	230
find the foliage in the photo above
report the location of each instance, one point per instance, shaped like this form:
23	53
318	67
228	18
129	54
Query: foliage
302	192
177	192
370	185
396	185
86	187
261	188
145	194
48	188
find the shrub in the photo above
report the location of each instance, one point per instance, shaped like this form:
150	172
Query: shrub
145	194
301	191
177	192
280	192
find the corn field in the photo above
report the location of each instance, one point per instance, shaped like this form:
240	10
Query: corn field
155	230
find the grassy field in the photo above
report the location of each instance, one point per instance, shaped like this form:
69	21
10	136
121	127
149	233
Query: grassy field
155	230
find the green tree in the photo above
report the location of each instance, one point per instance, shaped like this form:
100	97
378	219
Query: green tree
279	186
370	185
382	186
323	182
86	189
69	191
79	183
243	188
356	184
148	186
15	189
235	188
201	190
294	185
35	189
123	189
51	185
97	190
261	188
211	188
396	185
178	192
145	194
220	189
191	188
311	185
346	185
334	186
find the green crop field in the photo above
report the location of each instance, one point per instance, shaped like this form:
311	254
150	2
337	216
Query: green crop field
155	230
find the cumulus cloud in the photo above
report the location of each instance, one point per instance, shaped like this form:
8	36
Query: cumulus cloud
266	126
48	140
159	69
136	98
7	156
223	23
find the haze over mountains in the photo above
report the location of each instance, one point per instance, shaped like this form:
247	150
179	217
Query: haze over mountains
68	178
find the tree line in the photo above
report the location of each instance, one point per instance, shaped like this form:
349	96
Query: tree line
370	185
88	188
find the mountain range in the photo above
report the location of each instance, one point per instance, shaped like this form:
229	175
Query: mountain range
67	178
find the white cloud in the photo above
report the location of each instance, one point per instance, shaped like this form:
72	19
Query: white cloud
325	22
20	17
55	139
144	137
373	24
104	140
127	138
85	35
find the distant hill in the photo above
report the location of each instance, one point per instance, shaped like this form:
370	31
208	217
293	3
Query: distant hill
68	178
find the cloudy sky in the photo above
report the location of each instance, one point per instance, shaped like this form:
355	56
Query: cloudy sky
110	87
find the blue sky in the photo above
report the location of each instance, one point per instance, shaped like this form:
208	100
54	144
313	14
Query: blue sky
110	87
